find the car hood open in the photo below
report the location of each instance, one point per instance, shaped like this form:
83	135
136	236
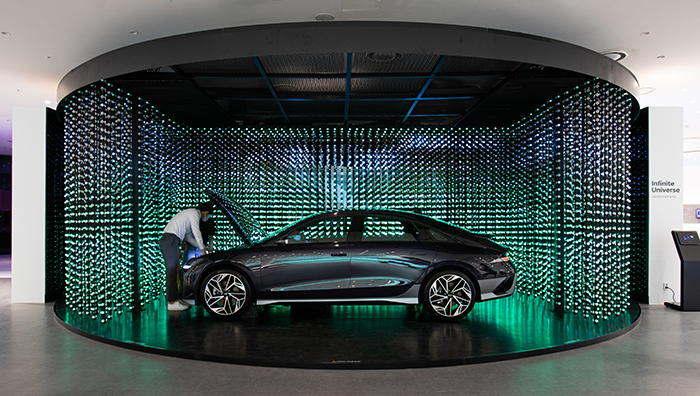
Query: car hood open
244	224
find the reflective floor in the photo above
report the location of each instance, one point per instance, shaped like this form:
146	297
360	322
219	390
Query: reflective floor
354	336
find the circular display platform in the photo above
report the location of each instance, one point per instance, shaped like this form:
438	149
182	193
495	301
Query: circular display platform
354	336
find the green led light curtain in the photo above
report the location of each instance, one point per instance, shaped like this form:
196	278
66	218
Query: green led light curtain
98	208
554	188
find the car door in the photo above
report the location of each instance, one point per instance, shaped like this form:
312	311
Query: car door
392	256
310	261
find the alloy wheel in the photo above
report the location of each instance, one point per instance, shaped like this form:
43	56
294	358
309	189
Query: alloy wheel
225	294
450	295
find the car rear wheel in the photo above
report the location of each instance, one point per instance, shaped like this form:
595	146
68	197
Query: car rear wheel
225	293
449	295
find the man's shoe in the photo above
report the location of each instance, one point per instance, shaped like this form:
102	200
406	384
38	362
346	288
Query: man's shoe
178	306
188	302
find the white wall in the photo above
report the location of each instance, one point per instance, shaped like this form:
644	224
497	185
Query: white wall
665	200
28	205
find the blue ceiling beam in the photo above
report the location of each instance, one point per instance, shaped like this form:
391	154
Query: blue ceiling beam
425	86
269	85
348	85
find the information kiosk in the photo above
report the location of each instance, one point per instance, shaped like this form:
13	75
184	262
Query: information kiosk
688	247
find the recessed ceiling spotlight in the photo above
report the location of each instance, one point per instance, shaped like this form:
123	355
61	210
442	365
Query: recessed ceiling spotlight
644	33
134	32
47	101
661	57
6	34
646	90
325	17
615	55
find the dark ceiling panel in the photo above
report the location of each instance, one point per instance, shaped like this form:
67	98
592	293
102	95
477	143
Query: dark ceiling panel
467	65
231	83
384	107
391	63
291	87
238	108
433	107
221	66
399	87
465	86
331	63
311	88
234	87
314	108
441	120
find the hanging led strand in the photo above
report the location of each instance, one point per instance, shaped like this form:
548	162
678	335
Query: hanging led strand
565	214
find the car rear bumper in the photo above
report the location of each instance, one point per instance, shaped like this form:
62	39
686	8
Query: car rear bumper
497	288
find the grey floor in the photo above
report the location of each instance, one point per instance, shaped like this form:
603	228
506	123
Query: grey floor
661	356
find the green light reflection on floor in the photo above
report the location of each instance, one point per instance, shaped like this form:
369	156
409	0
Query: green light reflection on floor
499	327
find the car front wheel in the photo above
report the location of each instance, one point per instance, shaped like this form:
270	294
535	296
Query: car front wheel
449	295
225	293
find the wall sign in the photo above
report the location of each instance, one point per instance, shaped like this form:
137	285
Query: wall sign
667	189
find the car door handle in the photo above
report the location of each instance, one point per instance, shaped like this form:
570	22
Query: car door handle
339	254
418	253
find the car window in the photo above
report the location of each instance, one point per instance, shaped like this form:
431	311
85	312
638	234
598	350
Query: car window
328	230
385	229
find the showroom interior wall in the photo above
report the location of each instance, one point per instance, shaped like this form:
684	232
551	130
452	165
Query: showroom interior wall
29	126
665	199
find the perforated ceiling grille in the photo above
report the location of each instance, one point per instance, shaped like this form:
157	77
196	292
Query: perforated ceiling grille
378	88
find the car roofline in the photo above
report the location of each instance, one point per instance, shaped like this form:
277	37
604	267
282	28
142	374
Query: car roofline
423	219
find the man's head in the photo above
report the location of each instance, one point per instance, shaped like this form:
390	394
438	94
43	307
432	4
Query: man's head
206	209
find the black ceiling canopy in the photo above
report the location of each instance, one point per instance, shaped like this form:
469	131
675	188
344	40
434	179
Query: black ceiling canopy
348	73
366	88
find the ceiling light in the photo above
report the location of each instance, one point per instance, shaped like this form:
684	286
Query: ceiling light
325	17
661	57
646	90
134	32
615	55
644	33
6	33
47	101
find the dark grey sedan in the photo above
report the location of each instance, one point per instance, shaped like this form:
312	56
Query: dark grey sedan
350	257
